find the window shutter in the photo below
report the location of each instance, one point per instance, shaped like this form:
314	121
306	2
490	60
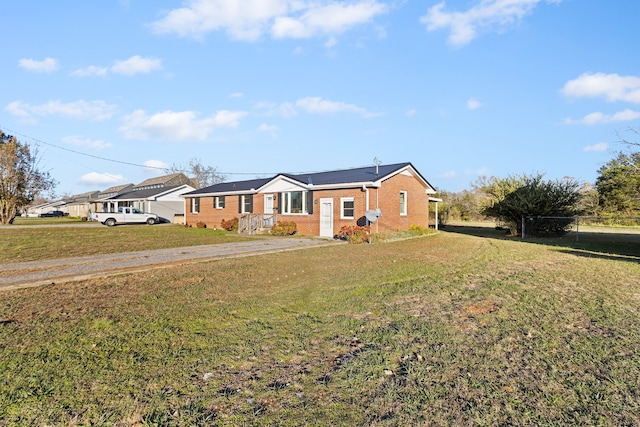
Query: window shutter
239	204
250	203
279	203
310	202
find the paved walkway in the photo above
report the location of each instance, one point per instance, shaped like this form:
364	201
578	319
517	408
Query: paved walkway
35	273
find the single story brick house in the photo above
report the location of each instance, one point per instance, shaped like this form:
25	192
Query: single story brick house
319	203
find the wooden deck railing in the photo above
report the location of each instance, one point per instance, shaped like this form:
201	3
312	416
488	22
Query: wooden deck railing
250	223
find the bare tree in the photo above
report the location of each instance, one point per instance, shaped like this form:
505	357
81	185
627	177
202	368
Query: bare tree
20	179
201	176
632	146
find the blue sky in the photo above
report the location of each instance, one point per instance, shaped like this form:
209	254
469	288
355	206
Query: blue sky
460	88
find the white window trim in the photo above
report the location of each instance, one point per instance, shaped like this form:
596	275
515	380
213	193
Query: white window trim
347	199
405	204
287	203
244	202
193	205
216	200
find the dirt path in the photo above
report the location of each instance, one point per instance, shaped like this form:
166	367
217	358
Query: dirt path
35	273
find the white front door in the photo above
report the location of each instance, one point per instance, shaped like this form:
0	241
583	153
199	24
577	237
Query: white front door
326	217
268	203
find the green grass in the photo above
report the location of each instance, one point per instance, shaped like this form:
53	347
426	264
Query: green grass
36	243
454	329
44	221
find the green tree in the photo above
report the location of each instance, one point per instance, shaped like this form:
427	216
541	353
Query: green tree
618	184
516	197
20	179
589	200
462	206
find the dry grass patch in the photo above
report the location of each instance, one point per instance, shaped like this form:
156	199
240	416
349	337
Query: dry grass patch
347	335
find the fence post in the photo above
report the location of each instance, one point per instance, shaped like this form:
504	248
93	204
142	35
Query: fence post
523	227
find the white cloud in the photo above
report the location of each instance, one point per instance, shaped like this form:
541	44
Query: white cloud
91	70
483	171
313	105
47	65
448	175
251	19
601	118
271	129
131	66
485	16
326	19
243	21
331	42
317	105
156	167
81	110
411	113
94	144
612	87
177	126
268	128
95	178
136	65
473	104
601	146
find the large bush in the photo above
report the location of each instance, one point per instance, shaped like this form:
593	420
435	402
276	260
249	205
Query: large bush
514	198
284	228
230	225
354	233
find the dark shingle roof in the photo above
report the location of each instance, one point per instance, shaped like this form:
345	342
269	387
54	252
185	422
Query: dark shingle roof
166	180
337	177
143	194
365	174
230	187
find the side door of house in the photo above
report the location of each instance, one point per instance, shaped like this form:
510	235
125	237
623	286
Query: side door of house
268	203
326	217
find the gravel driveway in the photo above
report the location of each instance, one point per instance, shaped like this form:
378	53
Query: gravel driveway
34	273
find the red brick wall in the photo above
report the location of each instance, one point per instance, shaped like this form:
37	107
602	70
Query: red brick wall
210	215
417	203
309	225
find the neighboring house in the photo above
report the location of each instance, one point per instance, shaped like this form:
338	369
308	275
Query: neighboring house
161	196
79	205
101	201
37	210
319	203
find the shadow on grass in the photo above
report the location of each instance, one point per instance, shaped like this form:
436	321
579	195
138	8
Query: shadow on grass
590	244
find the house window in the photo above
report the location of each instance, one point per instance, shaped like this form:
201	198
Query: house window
246	203
218	202
195	205
347	210
295	202
403	203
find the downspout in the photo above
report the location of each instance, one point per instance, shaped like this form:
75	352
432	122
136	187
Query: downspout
366	199
377	207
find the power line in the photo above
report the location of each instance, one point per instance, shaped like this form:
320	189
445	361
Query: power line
39	141
14	133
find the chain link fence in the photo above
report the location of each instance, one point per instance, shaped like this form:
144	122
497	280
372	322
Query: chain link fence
580	228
